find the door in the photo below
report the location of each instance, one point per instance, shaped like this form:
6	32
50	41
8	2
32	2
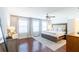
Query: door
3	42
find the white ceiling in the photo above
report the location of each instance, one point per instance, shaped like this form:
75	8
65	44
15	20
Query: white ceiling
39	12
47	9
43	11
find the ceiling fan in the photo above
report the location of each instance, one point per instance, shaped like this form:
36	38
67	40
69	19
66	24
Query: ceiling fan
49	17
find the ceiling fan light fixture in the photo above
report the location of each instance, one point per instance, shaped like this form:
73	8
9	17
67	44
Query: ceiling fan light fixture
49	17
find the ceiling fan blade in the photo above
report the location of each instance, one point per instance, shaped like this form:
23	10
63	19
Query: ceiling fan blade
49	17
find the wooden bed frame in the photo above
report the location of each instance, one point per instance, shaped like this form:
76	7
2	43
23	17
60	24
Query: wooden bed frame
52	38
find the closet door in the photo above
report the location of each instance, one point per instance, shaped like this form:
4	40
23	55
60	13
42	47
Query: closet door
35	27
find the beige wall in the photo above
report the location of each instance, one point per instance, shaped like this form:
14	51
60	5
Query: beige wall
77	26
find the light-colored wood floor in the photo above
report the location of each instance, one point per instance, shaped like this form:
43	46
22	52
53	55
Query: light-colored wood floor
28	45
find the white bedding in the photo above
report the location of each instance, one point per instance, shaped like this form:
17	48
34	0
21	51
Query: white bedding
54	33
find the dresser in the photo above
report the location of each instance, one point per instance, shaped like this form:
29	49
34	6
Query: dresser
72	43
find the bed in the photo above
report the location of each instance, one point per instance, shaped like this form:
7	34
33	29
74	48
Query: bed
57	33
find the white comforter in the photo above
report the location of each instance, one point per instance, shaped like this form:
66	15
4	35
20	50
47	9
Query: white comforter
53	33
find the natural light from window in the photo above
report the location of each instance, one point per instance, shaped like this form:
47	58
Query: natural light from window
23	25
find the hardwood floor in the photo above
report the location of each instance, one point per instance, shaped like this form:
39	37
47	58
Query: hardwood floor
2	48
28	45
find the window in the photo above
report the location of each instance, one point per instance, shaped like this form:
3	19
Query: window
23	25
35	27
44	25
26	27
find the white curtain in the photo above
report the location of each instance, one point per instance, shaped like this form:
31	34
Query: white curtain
23	27
14	22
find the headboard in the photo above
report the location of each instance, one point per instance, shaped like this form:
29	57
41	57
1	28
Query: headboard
60	27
